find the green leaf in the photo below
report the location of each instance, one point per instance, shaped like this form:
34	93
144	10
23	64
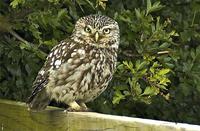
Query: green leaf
143	72
129	65
152	8
54	1
193	55
23	46
163	71
150	91
148	5
101	3
118	96
137	89
164	45
141	65
61	13
15	3
138	14
164	81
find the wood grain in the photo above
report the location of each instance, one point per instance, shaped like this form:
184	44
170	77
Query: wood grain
14	116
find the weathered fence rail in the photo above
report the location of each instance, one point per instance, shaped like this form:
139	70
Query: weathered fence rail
14	116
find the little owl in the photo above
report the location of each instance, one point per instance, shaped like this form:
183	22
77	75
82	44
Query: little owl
79	68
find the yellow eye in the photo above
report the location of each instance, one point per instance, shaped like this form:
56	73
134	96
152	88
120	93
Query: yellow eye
87	29
106	30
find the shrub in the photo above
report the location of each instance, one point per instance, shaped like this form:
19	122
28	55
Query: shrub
158	62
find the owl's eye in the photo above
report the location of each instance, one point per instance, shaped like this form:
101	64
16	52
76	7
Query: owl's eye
106	30
87	29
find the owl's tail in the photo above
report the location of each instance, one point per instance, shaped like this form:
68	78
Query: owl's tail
38	101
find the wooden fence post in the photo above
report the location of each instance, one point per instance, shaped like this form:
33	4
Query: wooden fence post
14	116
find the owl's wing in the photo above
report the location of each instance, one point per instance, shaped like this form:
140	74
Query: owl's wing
38	86
39	99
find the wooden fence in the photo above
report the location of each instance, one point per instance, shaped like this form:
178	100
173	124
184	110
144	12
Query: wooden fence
14	116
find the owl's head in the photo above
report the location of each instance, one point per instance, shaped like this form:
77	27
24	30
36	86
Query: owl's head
97	30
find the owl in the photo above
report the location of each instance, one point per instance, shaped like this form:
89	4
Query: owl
78	69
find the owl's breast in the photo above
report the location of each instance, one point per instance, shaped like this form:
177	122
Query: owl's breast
83	76
103	65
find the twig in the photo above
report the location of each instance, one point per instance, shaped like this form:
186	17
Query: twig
193	18
18	37
163	52
30	46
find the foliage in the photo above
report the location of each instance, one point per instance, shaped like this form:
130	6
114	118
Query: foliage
148	76
158	72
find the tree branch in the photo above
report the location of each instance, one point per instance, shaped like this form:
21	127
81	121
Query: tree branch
29	46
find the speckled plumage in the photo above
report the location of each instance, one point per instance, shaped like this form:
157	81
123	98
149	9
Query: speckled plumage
78	69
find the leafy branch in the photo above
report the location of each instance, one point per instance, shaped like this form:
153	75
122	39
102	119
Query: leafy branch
148	75
27	45
6	26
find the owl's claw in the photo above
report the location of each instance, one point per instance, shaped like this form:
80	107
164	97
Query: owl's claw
75	107
84	107
87	110
70	109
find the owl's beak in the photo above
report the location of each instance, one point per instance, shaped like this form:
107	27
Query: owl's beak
96	36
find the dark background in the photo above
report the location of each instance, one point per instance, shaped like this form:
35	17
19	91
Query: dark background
158	73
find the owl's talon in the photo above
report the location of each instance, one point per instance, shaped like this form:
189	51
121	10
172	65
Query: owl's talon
72	110
78	110
86	110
